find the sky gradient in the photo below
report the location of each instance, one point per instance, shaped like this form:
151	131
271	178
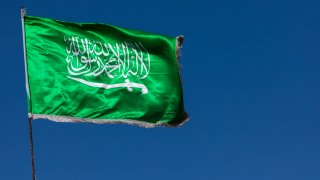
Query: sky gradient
250	75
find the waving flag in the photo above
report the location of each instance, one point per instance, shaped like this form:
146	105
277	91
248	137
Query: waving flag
89	72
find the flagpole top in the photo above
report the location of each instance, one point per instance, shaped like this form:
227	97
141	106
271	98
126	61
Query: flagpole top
23	11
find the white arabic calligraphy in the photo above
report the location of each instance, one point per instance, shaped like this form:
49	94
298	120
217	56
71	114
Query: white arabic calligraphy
119	60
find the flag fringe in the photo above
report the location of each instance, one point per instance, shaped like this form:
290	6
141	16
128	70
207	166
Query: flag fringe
68	119
179	41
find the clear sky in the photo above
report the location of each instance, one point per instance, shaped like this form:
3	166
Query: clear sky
251	87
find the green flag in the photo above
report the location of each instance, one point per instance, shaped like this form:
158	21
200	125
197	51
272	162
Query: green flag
89	72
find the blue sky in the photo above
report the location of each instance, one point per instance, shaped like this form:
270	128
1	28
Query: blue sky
251	87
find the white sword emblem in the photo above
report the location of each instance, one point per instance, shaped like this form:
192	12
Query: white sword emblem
129	85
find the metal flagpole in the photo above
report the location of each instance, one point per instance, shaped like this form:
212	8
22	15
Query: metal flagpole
31	149
23	12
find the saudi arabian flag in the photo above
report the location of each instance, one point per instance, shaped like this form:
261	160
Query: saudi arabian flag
99	73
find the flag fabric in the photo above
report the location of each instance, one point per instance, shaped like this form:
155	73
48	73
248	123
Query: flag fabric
99	73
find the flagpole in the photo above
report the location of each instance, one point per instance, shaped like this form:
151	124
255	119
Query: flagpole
31	149
23	12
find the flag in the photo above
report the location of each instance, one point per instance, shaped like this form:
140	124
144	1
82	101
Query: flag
99	73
